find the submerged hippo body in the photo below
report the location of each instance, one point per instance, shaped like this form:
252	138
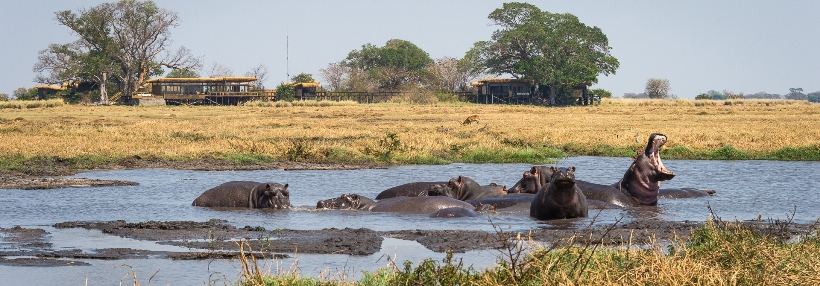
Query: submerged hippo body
419	205
560	199
463	189
503	201
415	189
453	213
243	194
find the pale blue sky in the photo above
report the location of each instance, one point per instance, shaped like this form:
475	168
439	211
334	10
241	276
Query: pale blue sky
742	46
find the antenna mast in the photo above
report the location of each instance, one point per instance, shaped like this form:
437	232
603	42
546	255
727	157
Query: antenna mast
287	55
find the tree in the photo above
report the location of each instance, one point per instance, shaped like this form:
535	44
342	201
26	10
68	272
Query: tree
25	94
302	77
448	74
132	35
218	70
182	73
398	62
657	88
285	91
732	95
549	48
4	97
703	96
75	62
260	72
600	92
812	96
336	76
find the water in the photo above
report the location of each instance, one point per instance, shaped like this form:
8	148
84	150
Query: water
746	189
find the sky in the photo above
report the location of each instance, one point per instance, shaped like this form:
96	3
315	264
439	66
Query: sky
741	46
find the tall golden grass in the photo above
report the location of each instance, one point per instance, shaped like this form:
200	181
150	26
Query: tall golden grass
28	104
402	131
719	253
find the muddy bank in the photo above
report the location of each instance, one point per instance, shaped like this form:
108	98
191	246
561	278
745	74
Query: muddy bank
48	173
217	235
215	239
16	180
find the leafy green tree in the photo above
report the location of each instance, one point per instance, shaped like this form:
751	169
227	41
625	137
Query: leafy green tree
703	96
4	97
600	92
182	73
132	35
813	96
25	94
549	48
398	62
302	77
285	91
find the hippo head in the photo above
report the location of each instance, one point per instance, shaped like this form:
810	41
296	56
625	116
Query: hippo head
530	182
345	202
460	186
563	178
438	190
275	196
651	159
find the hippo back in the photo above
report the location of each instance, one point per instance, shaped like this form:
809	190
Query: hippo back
415	189
418	205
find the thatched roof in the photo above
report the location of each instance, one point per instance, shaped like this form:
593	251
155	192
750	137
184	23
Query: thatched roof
52	87
306	84
501	80
204	79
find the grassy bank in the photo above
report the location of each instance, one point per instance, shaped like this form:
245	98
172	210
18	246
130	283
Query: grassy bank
719	253
406	134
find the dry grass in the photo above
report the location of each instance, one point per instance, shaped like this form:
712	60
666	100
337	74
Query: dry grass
400	132
28	104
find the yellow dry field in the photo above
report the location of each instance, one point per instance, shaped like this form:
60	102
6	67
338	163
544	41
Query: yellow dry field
190	132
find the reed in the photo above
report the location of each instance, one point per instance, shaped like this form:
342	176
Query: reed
718	253
29	104
406	133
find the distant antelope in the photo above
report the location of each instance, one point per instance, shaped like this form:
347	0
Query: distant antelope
470	119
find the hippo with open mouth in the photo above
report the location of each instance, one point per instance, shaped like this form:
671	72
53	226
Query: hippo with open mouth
243	194
641	184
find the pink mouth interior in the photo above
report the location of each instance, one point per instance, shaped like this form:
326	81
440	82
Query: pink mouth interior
655	156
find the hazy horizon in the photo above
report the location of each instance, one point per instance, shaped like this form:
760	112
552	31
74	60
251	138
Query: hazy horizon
740	46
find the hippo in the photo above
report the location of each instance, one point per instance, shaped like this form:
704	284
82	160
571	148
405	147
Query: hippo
503	201
243	194
453	212
415	189
560	199
418	205
529	183
463	189
641	183
347	202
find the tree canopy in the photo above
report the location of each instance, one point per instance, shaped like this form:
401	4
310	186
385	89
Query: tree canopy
549	48
182	73
129	40
396	63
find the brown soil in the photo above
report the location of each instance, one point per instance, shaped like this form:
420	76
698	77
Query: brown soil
215	239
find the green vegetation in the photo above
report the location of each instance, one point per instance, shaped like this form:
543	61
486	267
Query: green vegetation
550	48
718	253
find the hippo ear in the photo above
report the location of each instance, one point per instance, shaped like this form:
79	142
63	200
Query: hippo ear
527	175
286	186
267	186
553	169
344	196
535	171
460	179
571	169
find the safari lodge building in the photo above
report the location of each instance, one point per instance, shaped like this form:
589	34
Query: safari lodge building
503	91
202	91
